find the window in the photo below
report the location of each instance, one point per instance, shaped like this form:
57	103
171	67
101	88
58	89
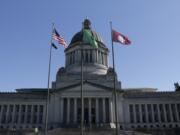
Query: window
90	60
167	112
28	118
11	108
34	119
137	113
161	112
29	113
10	114
149	113
86	56
22	118
73	57
41	109
173	112
23	108
131	113
17	108
143	113
155	113
16	118
35	108
178	110
40	119
4	110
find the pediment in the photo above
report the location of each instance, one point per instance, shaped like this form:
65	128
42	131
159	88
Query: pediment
87	86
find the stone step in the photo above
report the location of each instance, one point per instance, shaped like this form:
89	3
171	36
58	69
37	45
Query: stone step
77	131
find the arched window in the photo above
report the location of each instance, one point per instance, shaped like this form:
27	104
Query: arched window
73	57
70	61
90	60
86	56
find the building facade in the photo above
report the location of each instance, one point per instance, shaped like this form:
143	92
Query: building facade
136	108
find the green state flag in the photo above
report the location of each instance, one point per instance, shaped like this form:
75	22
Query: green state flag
89	38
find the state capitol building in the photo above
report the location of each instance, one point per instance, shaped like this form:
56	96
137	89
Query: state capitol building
136	107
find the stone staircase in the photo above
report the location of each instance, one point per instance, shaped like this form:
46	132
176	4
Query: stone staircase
76	131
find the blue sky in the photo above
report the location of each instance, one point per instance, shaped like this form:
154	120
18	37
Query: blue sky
152	25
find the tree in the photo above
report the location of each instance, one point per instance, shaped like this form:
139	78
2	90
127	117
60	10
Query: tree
177	87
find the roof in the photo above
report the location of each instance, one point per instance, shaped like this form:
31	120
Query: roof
160	94
78	37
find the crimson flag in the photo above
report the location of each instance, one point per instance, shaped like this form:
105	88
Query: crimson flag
120	38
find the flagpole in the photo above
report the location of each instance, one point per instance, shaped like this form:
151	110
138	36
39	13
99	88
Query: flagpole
82	99
48	89
114	83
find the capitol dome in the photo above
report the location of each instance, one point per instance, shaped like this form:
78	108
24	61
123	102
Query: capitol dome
95	60
78	37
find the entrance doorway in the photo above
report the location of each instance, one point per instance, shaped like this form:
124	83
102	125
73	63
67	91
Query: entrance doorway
86	115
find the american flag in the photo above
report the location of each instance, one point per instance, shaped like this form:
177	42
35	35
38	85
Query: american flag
58	38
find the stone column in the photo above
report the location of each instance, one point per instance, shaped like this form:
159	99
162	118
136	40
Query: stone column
170	109
102	58
75	57
165	115
84	55
140	111
25	115
176	111
1	112
66	59
62	109
13	114
7	113
32	107
38	113
98	57
75	110
89	109
110	111
147	113
19	120
152	110
105	57
79	56
134	111
104	110
68	109
159	115
44	113
88	52
93	56
97	110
